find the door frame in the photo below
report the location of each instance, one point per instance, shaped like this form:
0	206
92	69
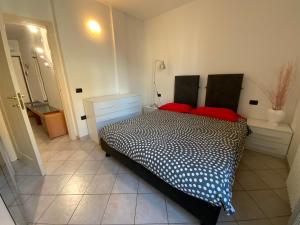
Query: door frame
58	66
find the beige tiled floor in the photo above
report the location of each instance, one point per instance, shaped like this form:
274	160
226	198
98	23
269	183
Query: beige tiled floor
82	186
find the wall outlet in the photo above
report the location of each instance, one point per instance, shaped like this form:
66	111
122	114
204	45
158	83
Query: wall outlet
253	102
78	90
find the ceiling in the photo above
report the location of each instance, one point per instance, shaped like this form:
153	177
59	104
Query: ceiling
145	9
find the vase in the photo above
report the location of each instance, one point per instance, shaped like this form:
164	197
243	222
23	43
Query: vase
275	116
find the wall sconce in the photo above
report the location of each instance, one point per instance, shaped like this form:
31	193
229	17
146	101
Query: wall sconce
157	64
94	27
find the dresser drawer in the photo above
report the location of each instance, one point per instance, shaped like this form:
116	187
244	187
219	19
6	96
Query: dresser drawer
117	114
100	123
116	103
104	110
117	108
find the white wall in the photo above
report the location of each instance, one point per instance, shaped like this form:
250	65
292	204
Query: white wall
89	61
237	36
293	181
130	48
296	137
36	9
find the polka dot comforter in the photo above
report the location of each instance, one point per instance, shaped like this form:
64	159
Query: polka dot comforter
197	155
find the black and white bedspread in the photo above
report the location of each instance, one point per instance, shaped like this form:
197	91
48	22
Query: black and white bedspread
197	155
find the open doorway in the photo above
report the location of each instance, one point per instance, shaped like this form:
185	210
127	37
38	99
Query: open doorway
42	86
33	65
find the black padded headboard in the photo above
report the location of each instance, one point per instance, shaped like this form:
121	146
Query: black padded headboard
223	90
186	89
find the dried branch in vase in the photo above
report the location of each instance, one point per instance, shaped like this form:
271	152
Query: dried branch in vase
278	95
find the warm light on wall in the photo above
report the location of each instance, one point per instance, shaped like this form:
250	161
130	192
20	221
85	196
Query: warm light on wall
39	50
94	27
32	28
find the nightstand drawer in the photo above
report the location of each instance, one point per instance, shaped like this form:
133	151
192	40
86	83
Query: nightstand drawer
284	138
267	138
266	146
271	135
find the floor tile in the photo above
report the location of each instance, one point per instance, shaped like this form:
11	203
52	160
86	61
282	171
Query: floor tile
270	203
7	195
17	214
151	208
79	156
272	179
52	185
237	186
254	162
124	169
50	167
30	184
90	209
46	156
35	206
146	188
246	208
283	194
67	146
120	209
282	172
250	181
61	210
280	220
61	156
88	145
275	163
176	214
2	179
21	199
126	183
68	167
223	217
101	184
255	222
96	155
108	166
77	184
227	223
89	167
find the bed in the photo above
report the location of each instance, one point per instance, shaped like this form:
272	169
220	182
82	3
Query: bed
190	158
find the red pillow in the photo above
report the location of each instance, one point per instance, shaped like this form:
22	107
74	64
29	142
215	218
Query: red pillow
218	113
176	107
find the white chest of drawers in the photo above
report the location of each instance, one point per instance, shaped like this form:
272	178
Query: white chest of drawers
267	138
104	110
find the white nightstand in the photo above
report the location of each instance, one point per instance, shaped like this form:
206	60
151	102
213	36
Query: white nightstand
267	138
149	108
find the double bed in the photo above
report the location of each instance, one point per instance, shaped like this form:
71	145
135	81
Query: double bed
190	158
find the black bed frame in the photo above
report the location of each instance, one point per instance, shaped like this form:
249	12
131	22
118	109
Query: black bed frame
207	213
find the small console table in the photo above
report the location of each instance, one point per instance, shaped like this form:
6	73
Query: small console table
52	119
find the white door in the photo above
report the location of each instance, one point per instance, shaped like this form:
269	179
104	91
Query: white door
13	109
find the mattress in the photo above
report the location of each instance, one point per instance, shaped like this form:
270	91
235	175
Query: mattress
195	154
